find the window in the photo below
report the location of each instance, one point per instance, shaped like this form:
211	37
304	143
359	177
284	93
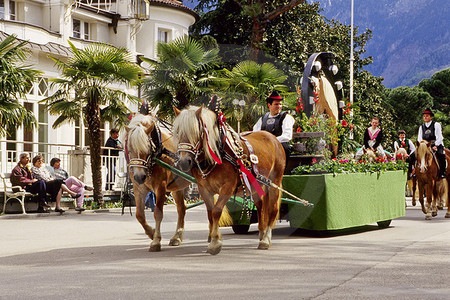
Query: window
2	9
76	28
43	129
141	9
7	9
12	10
28	133
80	29
43	87
163	36
86	30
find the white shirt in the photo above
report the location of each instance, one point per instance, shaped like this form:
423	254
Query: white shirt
437	132
286	127
411	146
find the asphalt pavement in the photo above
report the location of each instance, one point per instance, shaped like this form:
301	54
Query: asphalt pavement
105	255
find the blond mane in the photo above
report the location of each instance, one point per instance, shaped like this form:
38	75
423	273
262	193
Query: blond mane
187	127
422	149
137	139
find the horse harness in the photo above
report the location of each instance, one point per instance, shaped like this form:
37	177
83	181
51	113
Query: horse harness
157	150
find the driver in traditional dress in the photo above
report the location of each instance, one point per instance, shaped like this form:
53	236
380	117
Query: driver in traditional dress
431	131
372	140
277	122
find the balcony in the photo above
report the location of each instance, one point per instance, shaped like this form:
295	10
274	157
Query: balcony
103	5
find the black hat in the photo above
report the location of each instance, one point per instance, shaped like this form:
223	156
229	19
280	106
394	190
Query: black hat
274	96
428	112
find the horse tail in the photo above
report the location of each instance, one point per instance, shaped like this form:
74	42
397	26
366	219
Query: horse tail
442	192
225	218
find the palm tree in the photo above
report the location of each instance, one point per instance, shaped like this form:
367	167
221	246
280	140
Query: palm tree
15	81
85	87
252	82
182	74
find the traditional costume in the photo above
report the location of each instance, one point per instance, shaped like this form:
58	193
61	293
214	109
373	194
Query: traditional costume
432	132
372	140
279	125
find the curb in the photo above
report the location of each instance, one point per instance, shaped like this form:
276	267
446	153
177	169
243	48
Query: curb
54	214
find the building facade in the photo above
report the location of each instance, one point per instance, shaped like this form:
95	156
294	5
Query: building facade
48	25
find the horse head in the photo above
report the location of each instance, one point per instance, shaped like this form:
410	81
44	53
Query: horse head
401	154
197	135
140	145
424	156
370	155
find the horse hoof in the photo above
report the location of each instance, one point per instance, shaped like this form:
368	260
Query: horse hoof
413	203
447	215
155	248
428	217
175	242
440	207
434	213
263	246
209	239
214	251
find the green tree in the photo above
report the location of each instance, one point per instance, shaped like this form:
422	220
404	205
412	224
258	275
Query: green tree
251	82
183	72
408	103
15	81
438	86
85	86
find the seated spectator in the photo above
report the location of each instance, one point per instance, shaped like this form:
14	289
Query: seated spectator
54	186
73	183
22	176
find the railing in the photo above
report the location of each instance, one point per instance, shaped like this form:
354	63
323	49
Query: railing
111	164
105	5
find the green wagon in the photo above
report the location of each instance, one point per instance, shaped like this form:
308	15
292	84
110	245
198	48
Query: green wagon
340	201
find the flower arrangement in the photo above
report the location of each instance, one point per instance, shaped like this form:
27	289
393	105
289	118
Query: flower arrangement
348	166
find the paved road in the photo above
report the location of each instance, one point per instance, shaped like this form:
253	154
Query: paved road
105	256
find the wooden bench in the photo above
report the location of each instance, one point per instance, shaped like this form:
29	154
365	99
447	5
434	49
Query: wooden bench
13	192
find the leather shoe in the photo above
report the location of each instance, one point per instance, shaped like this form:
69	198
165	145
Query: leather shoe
43	210
60	210
80	208
45	204
76	196
88	188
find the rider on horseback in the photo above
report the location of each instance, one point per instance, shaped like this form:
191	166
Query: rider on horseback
431	131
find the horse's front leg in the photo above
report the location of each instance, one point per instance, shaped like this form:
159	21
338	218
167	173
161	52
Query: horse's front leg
215	245
177	238
421	191
140	192
160	194
270	207
429	190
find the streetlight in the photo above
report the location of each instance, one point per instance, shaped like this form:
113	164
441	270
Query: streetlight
239	112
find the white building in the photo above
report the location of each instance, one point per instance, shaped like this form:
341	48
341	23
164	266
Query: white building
48	25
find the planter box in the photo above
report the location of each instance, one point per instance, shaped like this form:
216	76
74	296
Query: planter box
340	201
346	200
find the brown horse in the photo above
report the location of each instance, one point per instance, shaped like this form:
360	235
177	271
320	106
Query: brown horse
145	140
426	171
200	150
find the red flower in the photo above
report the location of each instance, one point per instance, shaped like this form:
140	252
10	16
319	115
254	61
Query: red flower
344	123
348	110
299	129
314	160
349	104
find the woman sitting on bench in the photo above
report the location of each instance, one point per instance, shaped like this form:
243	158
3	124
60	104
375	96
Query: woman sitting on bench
71	182
54	186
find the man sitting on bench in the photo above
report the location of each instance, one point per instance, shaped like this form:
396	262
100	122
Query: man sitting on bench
22	176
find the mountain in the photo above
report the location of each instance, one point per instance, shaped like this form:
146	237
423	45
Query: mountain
411	38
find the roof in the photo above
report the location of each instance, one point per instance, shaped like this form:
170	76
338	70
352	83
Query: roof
176	4
50	47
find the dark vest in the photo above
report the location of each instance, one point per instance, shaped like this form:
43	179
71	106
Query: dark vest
273	125
407	148
428	133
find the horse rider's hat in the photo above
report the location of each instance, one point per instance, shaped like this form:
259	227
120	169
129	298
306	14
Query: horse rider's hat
274	96
428	112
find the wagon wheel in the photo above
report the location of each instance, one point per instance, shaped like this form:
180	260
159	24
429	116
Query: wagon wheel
240	229
384	224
